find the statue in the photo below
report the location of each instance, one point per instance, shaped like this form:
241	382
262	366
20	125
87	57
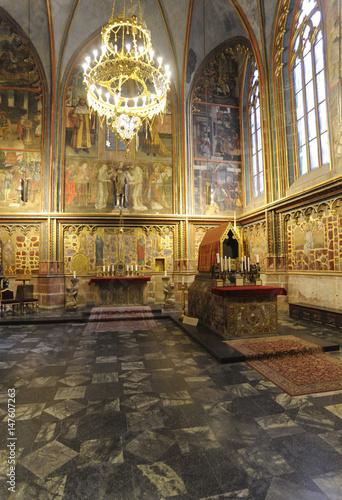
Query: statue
169	294
71	295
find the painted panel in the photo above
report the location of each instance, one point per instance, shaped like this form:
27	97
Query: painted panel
93	154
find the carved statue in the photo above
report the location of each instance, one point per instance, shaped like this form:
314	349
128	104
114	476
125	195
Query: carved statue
169	294
71	296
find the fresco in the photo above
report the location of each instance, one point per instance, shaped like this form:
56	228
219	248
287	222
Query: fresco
21	123
315	244
20	250
96	166
88	251
216	137
255	243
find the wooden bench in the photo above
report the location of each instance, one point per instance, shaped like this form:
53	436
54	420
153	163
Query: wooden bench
7	300
318	315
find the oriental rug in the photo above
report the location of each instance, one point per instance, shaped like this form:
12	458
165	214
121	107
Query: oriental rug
120	319
296	366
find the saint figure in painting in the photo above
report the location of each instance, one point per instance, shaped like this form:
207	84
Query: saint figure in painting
141	250
82	120
104	176
135	178
98	250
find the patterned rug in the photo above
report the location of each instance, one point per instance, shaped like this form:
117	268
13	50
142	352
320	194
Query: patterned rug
294	365
120	319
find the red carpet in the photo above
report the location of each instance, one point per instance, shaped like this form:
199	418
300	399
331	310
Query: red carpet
120	319
296	366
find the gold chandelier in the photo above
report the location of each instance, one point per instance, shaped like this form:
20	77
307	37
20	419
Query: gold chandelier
124	84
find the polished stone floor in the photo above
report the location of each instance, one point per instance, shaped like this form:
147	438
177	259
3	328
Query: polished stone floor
150	415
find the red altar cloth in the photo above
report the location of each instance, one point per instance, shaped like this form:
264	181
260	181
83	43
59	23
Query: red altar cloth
103	279
248	291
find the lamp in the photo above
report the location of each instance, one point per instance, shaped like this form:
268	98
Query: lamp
124	85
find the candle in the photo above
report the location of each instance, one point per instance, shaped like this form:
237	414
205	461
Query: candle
222	265
108	268
127	267
74	275
245	263
229	265
165	273
132	267
242	266
112	268
249	267
182	280
257	258
136	267
225	263
218	258
104	268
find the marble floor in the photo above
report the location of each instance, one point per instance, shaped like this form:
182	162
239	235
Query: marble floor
150	415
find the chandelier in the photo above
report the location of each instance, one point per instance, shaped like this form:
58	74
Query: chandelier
124	84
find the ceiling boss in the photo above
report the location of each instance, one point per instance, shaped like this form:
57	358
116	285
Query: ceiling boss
124	84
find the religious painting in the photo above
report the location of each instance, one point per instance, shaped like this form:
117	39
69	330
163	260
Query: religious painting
216	135
311	246
94	156
20	251
21	123
255	241
94	186
101	249
217	187
16	167
80	120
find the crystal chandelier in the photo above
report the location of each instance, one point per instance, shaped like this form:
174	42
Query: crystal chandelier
124	84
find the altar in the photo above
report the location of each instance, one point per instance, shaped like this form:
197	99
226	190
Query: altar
119	290
232	310
235	311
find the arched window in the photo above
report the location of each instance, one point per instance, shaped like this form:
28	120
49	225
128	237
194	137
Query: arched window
256	166
309	88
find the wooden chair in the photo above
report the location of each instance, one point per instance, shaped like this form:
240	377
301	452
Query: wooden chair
25	297
7	299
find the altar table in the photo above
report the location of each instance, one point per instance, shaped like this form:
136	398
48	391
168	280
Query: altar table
119	291
236	311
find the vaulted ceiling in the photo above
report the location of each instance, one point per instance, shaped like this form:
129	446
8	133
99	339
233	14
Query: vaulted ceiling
183	31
